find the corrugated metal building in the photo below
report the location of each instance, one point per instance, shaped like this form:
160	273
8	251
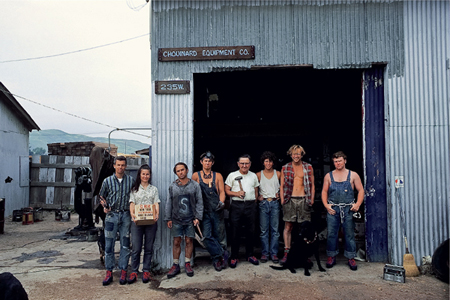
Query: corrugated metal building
370	78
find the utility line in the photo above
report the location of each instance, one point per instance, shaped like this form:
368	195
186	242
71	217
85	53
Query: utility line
70	114
72	52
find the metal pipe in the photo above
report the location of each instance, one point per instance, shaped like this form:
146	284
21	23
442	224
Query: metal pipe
124	129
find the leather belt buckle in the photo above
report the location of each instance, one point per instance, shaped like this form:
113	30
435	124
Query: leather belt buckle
270	199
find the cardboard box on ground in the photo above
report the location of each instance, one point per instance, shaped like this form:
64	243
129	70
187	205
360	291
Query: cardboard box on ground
145	214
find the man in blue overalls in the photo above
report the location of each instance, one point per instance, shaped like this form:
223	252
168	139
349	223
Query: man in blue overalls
213	222
338	197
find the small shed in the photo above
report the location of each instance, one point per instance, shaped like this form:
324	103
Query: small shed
15	126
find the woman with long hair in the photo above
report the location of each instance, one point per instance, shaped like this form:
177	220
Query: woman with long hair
143	193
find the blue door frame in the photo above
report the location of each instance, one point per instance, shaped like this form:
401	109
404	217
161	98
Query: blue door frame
375	166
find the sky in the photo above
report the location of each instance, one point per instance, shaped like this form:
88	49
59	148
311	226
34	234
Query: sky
110	85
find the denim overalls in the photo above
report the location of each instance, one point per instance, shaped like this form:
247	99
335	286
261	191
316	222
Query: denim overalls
213	221
341	192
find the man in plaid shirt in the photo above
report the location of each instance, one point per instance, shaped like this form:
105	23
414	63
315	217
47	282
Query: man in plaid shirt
297	194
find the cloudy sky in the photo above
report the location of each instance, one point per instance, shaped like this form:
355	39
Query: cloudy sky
109	85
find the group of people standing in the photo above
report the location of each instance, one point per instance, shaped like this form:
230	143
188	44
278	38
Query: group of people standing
200	201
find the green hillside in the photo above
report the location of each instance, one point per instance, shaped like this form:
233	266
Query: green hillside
40	139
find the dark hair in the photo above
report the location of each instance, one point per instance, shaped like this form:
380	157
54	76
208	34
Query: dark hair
245	156
208	155
268	155
137	182
339	154
180	163
121	158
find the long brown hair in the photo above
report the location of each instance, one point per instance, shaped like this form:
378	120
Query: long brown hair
137	182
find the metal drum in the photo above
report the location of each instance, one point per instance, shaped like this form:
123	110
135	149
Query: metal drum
27	217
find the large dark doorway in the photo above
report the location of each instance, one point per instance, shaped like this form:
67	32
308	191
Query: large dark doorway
257	110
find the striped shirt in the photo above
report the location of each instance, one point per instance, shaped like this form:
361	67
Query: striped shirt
116	193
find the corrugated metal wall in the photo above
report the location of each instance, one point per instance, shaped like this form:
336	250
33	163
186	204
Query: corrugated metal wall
322	33
419	132
172	142
411	37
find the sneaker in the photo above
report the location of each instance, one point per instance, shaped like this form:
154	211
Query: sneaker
233	263
123	277
173	271
331	261
275	259
264	258
146	277
253	260
352	264
284	259
218	265
132	278
188	269
108	279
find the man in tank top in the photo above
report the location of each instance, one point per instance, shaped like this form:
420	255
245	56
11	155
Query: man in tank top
338	197
269	207
296	193
213	223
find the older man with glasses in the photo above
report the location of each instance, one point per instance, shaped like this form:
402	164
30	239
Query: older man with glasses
242	187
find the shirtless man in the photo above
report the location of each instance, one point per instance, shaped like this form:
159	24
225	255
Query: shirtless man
338	197
297	194
213	224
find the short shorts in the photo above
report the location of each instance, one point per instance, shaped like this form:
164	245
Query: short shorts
296	210
182	230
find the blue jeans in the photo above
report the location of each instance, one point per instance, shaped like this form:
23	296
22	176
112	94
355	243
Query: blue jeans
333	224
214	233
269	218
117	222
137	237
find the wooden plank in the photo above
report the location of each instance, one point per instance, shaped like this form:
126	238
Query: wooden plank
58	166
37	196
51	175
43	174
50	194
56	184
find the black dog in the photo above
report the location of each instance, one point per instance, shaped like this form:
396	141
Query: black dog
304	245
11	288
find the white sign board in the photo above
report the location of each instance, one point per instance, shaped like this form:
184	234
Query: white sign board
399	182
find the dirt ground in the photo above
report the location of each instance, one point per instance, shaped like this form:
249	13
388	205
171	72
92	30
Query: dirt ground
53	265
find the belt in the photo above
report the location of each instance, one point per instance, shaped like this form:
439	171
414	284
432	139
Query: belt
298	197
243	200
270	199
119	210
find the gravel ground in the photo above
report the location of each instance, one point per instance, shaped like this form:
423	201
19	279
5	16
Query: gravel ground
53	265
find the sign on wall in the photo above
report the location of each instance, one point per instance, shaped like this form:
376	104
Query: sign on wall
172	87
206	53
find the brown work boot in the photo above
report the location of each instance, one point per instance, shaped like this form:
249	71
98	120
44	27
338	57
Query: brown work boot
146	277
284	259
188	269
123	277
173	271
108	279
132	278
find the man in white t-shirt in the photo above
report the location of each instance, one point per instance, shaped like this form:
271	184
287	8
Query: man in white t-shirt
242	187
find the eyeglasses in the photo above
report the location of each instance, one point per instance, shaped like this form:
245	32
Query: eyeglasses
244	164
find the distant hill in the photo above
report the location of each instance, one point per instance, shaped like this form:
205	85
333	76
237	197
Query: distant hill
40	139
